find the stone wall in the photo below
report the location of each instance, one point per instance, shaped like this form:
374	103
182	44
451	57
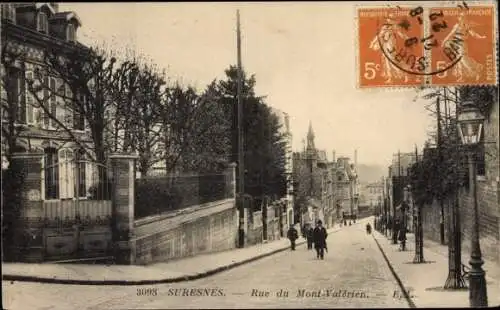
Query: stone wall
255	228
207	228
489	219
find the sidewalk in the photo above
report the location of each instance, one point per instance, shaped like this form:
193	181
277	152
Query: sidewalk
190	268
425	282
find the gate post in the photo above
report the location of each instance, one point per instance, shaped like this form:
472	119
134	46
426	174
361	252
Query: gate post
27	240
123	198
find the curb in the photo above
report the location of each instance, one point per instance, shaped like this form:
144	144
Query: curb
22	278
398	279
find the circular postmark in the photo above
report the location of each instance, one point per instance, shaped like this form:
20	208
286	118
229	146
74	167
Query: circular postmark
409	51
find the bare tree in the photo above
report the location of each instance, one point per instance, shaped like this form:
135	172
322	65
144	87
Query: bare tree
146	124
194	130
72	89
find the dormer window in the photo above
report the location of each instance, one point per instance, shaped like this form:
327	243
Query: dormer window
9	13
70	33
42	22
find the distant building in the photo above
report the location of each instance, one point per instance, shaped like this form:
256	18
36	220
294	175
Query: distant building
314	177
284	120
347	186
371	194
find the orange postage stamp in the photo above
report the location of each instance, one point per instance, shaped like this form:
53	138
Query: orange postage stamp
416	46
469	41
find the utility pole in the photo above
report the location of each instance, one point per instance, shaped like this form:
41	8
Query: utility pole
398	184
241	167
440	170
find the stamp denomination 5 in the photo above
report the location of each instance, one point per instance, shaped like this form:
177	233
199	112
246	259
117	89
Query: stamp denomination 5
412	46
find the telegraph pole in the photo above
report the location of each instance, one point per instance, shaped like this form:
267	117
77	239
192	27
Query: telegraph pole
440	170
241	168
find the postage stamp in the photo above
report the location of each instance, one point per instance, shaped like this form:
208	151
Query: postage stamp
467	41
416	46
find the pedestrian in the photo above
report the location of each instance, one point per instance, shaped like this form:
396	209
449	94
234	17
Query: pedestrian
319	236
402	237
309	236
292	235
396	230
368	228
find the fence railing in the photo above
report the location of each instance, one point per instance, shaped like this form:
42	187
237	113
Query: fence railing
162	193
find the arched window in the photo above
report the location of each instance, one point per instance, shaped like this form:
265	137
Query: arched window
81	184
51	173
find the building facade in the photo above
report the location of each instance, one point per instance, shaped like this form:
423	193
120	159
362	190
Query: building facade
284	120
371	194
27	30
347	187
315	185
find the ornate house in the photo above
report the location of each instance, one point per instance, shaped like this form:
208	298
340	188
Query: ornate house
65	214
27	29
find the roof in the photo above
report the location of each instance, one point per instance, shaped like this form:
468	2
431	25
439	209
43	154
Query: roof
36	5
67	16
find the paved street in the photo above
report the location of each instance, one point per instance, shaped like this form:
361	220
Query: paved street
354	269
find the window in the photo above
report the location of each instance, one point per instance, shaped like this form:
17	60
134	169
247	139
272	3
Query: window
42	22
78	117
67	110
51	174
17	87
70	33
81	185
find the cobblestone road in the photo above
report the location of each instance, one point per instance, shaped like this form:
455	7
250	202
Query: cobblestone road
353	275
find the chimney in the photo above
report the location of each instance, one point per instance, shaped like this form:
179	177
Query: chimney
333	156
356	158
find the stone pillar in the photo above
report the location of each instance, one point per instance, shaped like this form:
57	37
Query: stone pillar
28	245
123	172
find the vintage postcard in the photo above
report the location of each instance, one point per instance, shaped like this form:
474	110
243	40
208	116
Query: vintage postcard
227	155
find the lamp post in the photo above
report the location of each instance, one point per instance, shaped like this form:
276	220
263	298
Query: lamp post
470	123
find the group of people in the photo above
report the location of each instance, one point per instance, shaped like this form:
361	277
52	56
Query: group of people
389	225
316	236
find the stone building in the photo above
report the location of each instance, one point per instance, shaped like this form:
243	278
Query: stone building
314	180
371	194
284	120
68	206
347	187
27	29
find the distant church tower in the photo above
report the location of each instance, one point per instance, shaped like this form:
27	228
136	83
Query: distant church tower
311	157
310	139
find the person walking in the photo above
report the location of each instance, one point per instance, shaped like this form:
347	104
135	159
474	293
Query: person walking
292	235
309	237
319	237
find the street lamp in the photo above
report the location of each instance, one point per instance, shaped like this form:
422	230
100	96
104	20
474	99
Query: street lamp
470	123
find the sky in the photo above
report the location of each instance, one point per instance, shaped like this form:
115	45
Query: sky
303	56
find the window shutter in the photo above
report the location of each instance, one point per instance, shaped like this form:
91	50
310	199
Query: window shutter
53	101
68	106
